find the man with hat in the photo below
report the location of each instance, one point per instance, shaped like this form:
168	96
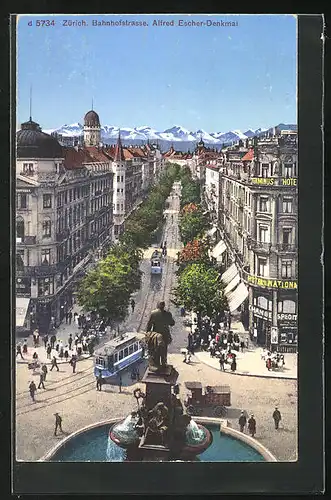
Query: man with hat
242	421
277	417
58	423
252	425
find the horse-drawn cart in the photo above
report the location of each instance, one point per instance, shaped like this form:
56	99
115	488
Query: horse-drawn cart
215	397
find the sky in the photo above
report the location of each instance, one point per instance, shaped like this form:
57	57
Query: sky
216	78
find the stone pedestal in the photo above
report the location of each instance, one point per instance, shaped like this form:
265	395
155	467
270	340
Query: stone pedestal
158	386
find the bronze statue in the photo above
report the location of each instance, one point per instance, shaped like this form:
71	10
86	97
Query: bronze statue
158	337
157	424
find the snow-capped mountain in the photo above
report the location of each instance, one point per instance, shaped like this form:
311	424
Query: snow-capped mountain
176	134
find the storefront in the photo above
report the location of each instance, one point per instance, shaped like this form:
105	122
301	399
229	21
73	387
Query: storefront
287	322
261	311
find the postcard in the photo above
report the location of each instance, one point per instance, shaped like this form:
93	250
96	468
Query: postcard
156	241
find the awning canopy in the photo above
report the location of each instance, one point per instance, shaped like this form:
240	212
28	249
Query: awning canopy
233	283
237	297
218	249
229	274
22	305
212	231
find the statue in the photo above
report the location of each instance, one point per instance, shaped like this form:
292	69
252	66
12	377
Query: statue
158	337
156	425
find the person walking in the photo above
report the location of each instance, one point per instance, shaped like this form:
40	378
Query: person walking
41	380
66	353
45	370
120	383
54	364
234	363
45	340
25	346
73	363
242	345
53	340
19	351
32	389
133	305
99	381
252	425
67	317
70	341
58	423
277	417
242	421
36	337
70	317
49	351
221	362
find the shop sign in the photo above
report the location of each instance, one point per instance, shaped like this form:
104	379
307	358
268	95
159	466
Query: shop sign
271	283
287	317
261	313
274	335
23	286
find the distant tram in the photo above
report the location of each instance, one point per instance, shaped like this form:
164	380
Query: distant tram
118	354
156	262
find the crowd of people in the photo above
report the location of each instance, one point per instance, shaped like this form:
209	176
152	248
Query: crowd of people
273	360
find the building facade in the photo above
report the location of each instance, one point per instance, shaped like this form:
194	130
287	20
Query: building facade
63	217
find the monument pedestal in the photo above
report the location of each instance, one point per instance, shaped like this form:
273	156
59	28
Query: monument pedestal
158	386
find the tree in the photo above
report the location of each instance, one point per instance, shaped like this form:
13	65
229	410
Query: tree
199	289
192	225
195	251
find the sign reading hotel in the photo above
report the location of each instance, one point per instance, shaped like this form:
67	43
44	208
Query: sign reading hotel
270	181
271	283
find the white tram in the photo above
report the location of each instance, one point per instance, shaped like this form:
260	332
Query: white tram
156	262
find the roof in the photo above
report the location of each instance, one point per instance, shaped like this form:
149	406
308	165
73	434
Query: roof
33	143
116	342
221	389
248	156
76	158
91	119
119	153
193	385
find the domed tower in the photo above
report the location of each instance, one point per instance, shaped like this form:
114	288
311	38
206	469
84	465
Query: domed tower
33	143
92	129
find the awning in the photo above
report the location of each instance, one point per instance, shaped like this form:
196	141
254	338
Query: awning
233	283
229	274
218	249
237	297
212	231
22	305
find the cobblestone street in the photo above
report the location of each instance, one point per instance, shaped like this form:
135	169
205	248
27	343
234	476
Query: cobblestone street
75	398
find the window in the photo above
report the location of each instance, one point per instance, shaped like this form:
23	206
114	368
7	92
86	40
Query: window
262	302
264	170
47	201
115	357
19	259
46	256
287	307
126	352
45	286
287	205
130	349
262	266
286	269
263	234
21	201
120	355
136	346
263	203
66	197
28	168
118	190
20	228
100	362
117	206
70	195
122	178
118	178
121	190
47	228
287	235
288	170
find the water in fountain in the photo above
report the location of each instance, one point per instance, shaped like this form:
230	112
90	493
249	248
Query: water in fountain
125	431
194	434
114	453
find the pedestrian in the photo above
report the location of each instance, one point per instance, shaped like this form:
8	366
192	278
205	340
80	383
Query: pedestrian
57	346
120	383
53	340
70	341
268	363
99	381
54	364
19	351
182	312
45	340
48	351
45	370
70	317
67	317
76	319
41	380
277	417
234	363
61	353
133	304
242	345
222	361
32	389
66	353
76	340
73	363
242	421
58	423
252	425
35	356
25	346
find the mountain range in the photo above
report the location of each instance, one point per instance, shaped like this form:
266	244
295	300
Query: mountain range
176	134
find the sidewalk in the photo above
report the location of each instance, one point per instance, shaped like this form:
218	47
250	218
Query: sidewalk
42	356
249	362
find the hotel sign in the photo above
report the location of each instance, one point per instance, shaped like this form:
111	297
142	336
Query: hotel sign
270	181
271	283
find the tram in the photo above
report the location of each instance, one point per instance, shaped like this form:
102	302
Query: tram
156	262
118	354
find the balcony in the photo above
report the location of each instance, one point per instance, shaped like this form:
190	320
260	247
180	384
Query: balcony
259	246
26	240
287	247
62	235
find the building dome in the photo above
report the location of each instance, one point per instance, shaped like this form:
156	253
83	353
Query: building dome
91	119
33	143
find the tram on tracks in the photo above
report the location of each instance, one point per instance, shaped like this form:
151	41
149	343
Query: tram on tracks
118	354
156	262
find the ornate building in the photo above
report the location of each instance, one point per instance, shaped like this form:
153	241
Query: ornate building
63	218
92	129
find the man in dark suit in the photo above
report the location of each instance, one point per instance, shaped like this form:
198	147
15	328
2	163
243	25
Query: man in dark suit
159	322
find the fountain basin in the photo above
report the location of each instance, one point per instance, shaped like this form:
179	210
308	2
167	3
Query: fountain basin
92	444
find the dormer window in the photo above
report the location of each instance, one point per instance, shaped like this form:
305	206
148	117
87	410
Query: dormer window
28	168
